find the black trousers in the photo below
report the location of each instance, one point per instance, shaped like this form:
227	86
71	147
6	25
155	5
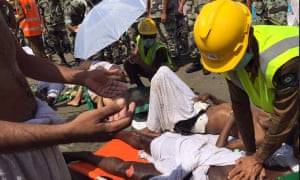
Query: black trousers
134	71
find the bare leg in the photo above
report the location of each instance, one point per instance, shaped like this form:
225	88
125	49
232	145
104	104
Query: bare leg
63	60
99	101
115	166
77	98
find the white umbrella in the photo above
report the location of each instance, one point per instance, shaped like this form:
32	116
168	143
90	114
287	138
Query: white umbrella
105	24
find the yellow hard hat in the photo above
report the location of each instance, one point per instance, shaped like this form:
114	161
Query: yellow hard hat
147	26
221	32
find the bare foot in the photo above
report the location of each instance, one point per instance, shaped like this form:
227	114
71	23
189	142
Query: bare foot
74	103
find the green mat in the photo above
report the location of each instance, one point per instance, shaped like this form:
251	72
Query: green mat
141	109
292	176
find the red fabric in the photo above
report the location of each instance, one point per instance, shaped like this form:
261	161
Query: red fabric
116	148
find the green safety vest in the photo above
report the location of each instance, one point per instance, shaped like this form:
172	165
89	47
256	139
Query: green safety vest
149	57
277	45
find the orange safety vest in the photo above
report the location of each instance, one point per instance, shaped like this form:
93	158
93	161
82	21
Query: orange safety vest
31	25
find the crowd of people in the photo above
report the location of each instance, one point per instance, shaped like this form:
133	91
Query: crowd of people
257	54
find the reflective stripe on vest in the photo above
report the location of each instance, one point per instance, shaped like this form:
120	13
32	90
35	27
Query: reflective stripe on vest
149	57
31	25
258	92
277	45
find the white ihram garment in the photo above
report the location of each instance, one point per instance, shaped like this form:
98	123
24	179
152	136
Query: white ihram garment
43	163
175	155
170	101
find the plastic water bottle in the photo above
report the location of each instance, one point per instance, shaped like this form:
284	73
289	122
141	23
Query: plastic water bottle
284	157
290	16
253	11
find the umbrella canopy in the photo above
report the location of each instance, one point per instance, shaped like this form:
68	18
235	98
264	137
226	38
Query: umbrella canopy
105	24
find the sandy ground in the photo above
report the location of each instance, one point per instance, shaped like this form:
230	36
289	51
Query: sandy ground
200	83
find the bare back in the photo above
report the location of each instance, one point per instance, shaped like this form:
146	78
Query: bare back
17	101
218	116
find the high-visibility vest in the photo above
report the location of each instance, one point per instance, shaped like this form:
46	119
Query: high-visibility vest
277	45
149	57
31	25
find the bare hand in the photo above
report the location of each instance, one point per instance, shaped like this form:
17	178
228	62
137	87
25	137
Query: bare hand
92	126
246	168
131	58
203	97
103	82
180	8
76	28
163	18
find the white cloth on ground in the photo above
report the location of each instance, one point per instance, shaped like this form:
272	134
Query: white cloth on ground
106	65
43	163
170	101
175	156
28	50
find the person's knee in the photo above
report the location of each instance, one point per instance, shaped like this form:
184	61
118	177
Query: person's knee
127	66
123	168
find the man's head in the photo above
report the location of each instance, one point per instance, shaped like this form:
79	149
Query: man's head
147	30
221	33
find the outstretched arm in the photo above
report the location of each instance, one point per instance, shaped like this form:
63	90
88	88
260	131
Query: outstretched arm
222	140
116	166
87	127
100	81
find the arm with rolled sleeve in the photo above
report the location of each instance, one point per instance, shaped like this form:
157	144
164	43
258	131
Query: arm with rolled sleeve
286	109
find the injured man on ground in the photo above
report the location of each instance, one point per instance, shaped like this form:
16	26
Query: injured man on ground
171	156
176	108
190	149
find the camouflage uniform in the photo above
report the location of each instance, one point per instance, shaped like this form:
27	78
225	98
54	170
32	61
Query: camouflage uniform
74	13
53	15
167	31
193	9
117	51
269	12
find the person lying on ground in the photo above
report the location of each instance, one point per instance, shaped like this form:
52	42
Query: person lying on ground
49	91
173	156
175	107
31	130
100	101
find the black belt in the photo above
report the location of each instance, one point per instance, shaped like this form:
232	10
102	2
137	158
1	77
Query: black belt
184	127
